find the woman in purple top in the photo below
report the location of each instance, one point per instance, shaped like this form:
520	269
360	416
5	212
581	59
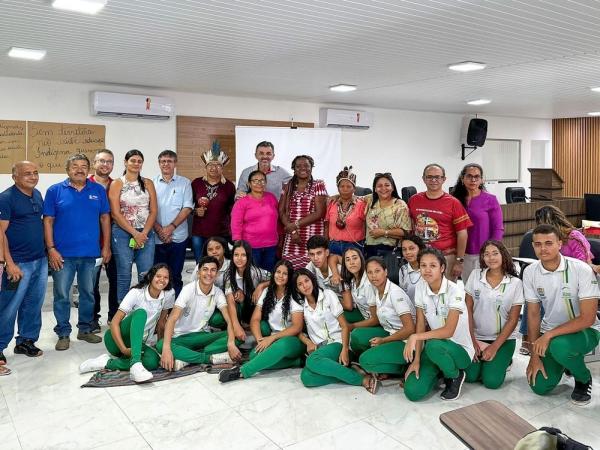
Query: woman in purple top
254	219
483	209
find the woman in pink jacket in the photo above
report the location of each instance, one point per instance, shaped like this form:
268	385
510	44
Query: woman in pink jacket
254	219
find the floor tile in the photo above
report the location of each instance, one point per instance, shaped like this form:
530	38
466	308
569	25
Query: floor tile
132	443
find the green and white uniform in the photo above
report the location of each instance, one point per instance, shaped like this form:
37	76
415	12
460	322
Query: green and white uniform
361	294
408	278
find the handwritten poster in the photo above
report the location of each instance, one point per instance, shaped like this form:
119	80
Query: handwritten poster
12	143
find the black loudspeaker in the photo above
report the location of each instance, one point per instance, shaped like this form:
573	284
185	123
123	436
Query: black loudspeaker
477	132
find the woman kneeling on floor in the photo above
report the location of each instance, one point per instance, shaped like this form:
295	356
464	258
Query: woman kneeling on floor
440	303
276	323
132	328
328	338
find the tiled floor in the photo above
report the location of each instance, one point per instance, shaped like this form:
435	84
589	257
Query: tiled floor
43	406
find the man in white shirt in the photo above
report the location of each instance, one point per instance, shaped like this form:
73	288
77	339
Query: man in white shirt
568	291
318	252
276	176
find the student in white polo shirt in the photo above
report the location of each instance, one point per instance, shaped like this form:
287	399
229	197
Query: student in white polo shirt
187	336
568	291
440	304
327	343
494	297
276	323
318	251
409	274
131	334
395	313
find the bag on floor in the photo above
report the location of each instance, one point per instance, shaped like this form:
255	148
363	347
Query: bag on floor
547	438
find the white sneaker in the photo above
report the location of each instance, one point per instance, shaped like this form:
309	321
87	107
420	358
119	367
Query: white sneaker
94	364
139	374
221	358
178	365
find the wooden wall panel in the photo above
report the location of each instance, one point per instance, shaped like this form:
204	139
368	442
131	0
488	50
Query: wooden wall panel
576	154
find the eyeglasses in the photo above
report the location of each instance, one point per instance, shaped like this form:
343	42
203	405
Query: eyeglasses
436	178
473	177
258	181
108	162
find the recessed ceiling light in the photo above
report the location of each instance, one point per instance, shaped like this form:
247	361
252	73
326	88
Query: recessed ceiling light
594	113
82	6
467	66
595	89
480	101
26	53
342	88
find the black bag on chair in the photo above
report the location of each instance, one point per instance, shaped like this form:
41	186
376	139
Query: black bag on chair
394	261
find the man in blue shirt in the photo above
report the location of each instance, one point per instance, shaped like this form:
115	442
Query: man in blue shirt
26	275
175	203
74	211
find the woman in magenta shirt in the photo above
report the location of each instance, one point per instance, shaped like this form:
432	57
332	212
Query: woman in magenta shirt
254	219
483	209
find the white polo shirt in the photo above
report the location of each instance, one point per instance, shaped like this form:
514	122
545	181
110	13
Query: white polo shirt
276	320
257	274
325	282
437	306
560	291
362	295
393	303
220	280
197	308
141	299
322	322
408	279
491	306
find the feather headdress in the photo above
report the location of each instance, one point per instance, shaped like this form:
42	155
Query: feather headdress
215	154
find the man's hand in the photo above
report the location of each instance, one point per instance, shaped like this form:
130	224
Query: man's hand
535	365
541	345
166	359
13	272
55	259
106	254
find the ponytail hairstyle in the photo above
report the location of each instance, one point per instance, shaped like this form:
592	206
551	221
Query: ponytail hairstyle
149	276
460	190
270	300
140	179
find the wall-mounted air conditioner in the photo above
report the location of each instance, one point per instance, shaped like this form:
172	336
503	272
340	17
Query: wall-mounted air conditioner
113	104
345	118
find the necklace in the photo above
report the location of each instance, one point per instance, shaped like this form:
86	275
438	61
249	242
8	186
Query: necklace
343	213
211	190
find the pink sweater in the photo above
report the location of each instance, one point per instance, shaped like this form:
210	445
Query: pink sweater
255	220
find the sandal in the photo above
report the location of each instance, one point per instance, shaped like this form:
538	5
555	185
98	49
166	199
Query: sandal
356	366
4	371
2	359
373	385
524	351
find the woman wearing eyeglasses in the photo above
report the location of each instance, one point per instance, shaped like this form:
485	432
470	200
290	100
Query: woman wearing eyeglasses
387	216
254	219
483	209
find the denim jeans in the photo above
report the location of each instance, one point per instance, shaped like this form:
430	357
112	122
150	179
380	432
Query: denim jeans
377	250
86	271
197	246
113	304
24	304
339	247
265	257
523	326
173	255
125	256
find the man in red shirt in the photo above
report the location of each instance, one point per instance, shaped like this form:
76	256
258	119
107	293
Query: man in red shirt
440	219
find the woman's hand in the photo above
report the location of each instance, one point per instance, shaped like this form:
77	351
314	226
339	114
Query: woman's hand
166	359
414	367
140	238
344	358
376	341
376	233
238	296
239	332
310	347
409	348
264	343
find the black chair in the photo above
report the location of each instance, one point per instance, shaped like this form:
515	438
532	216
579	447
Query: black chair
362	191
515	195
407	192
526	246
595	247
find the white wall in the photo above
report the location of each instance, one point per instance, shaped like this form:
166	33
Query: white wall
401	142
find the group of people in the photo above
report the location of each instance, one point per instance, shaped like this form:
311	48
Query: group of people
305	273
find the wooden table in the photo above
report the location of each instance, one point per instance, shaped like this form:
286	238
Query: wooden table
487	425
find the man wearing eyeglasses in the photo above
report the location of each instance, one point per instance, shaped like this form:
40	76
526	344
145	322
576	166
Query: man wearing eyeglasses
175	203
441	220
276	176
26	275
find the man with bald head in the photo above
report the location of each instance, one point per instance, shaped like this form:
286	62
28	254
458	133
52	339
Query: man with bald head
25	278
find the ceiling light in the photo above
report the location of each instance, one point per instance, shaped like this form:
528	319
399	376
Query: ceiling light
466	66
342	88
595	89
594	113
26	53
82	6
480	101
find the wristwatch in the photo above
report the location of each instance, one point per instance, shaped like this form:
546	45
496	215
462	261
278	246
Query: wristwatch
460	260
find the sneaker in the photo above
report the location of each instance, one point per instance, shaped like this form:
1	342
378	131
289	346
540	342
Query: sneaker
221	358
453	386
96	327
227	375
89	337
139	374
178	365
568	373
582	394
63	343
94	364
27	347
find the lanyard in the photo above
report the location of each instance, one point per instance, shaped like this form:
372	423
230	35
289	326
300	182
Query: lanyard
566	292
498	305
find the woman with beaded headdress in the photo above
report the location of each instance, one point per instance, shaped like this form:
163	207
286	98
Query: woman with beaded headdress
213	199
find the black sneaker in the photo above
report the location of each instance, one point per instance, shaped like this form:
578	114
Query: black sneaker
582	394
95	326
453	386
2	357
27	347
227	375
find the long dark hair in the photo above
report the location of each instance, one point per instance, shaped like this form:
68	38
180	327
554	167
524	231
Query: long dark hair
551	215
220	240
346	275
140	179
270	300
313	278
149	276
508	267
291	186
255	172
387	176
460	190
435	253
246	275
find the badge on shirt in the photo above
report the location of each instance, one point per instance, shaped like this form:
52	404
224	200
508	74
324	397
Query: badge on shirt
541	293
477	293
93	197
186	311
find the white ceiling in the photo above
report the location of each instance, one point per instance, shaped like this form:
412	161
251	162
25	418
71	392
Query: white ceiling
542	56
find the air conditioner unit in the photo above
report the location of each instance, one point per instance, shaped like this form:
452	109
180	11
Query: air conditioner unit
113	104
345	118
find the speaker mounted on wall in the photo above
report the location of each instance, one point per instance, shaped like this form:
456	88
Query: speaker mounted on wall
476	134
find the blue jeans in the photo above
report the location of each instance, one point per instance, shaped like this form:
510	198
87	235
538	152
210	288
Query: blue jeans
125	256
523	326
377	250
24	304
197	246
173	255
86	271
265	257
339	247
